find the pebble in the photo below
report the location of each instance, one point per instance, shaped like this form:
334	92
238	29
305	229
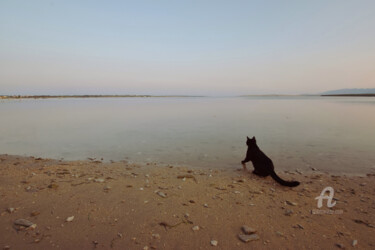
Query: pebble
214	243
161	194
299	171
23	222
205	205
6	247
354	243
107	188
53	186
247	238
291	203
340	245
69	219
248	230
10	210
288	212
99	180
279	234
300	226
156	236
195	228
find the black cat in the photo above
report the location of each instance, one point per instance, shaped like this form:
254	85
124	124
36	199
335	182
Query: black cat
263	165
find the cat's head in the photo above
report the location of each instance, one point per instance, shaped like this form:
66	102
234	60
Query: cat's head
251	141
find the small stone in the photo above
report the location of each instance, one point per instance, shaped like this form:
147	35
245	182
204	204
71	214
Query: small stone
161	194
53	186
107	188
299	226
156	236
299	171
248	230
288	212
34	213
205	205
291	203
6	247
214	243
195	228
340	245
100	180
23	222
247	238
145	248
279	234
354	243
10	210
69	219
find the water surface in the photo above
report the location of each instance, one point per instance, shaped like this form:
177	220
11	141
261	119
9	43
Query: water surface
334	134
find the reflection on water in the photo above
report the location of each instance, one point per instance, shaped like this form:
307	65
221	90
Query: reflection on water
329	133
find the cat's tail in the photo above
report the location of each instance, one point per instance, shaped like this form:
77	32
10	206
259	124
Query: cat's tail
282	182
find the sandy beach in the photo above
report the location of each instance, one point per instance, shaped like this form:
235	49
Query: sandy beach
95	205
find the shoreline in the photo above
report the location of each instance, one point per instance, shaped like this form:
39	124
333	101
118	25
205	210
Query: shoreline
230	167
120	205
86	96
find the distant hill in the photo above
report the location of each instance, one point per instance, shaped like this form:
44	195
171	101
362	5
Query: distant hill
349	92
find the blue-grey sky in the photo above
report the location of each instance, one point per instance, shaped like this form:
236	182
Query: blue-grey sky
186	47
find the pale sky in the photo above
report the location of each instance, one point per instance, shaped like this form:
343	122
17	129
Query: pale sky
186	47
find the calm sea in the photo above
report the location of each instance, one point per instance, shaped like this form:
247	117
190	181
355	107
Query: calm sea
334	134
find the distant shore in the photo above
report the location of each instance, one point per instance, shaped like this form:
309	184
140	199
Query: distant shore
48	203
358	95
85	96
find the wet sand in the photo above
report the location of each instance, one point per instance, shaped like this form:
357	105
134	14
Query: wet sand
125	206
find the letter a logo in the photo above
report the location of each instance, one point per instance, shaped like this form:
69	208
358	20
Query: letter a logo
328	197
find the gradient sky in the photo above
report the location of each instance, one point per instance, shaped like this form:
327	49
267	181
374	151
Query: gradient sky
186	47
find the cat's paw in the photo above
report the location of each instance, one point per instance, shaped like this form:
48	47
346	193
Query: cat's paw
244	166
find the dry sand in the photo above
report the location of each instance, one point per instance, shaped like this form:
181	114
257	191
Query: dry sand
121	206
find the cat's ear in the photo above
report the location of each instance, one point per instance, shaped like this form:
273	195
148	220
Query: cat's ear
254	138
247	137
